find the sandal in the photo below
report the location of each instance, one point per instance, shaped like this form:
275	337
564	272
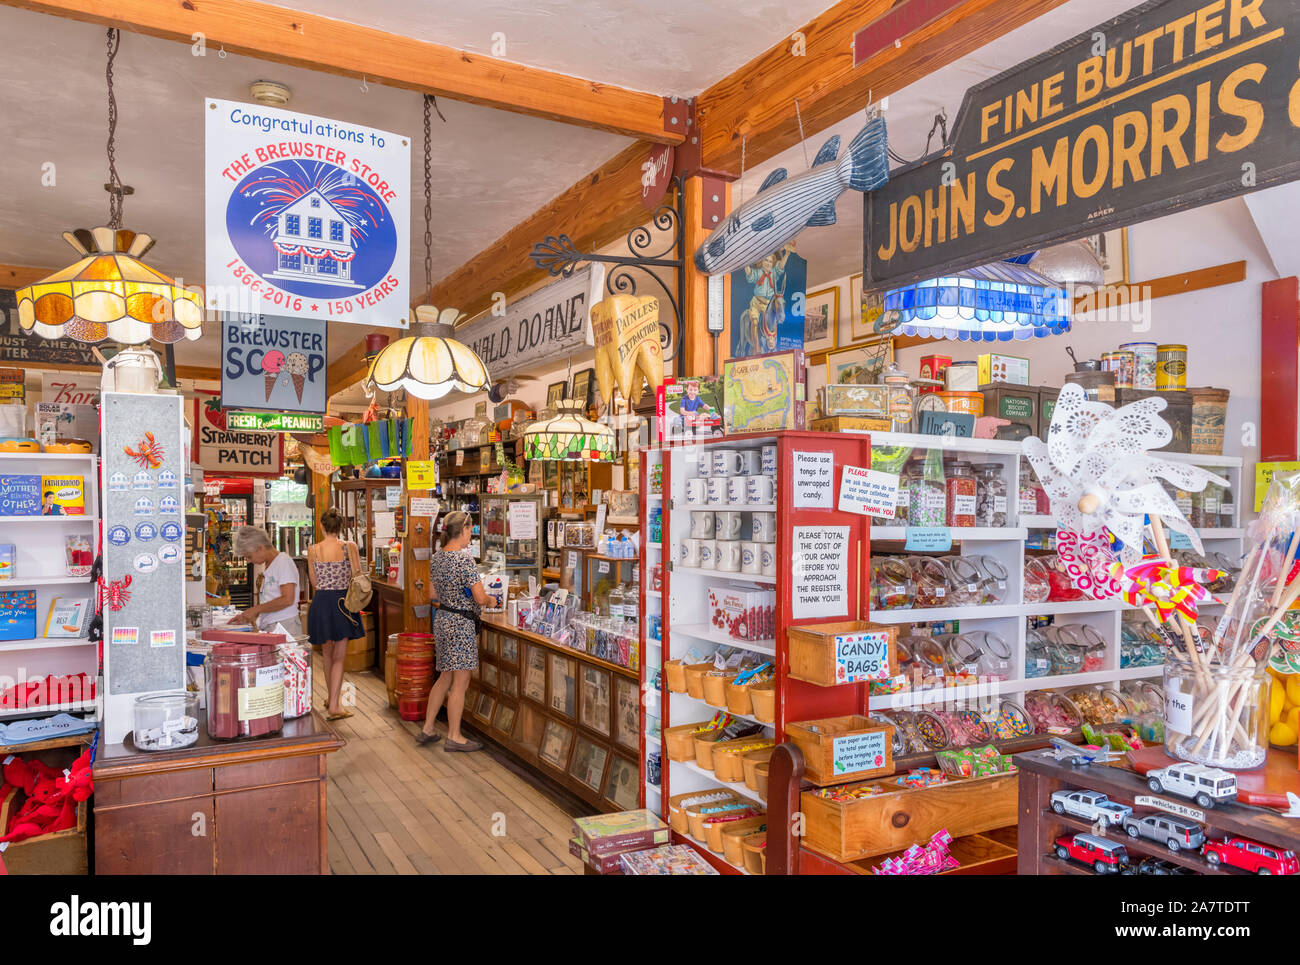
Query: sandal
466	746
340	716
422	738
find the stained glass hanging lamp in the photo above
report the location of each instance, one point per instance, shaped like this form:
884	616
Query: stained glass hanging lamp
1000	302
109	293
569	437
428	363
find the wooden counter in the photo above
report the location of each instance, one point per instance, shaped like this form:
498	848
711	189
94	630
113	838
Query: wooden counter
216	807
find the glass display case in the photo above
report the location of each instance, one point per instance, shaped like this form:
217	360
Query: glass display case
511	533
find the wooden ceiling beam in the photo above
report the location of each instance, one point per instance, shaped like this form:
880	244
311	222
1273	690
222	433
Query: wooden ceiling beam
755	104
300	39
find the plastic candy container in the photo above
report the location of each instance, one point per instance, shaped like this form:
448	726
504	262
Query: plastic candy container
1038	580
245	691
295	658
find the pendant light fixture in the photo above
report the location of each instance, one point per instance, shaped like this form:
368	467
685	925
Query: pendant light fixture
569	437
428	363
109	293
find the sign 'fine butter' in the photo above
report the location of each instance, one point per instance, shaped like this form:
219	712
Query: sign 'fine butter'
1171	105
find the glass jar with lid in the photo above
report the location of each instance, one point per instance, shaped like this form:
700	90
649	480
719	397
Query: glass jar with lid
899	398
990	495
963	655
1052	712
994	660
1032	499
1038	581
892	583
925	656
1094	647
961	493
928	493
965	580
1065	650
1012	721
1037	661
162	722
931	579
993	579
245	691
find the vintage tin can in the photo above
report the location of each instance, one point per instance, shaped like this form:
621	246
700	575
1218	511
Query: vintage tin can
1144	369
1171	368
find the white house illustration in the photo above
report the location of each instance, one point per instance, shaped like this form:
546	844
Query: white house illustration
313	242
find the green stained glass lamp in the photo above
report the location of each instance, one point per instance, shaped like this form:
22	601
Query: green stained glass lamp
569	437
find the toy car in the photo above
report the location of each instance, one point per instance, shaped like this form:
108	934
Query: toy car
1262	859
1156	866
1090	805
1205	785
1106	857
1175	832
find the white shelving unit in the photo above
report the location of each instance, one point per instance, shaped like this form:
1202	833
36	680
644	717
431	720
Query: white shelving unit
652	650
1009	619
40	565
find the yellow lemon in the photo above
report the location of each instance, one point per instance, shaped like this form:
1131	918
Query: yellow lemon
1293	688
1292	719
1276	701
1282	734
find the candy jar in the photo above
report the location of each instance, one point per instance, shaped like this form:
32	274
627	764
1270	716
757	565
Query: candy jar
994	661
963	655
1094	646
1032	499
925	657
990	495
931	582
899	740
928	495
1096	708
964	580
960	489
993	579
1038	580
1052	712
892	584
1065	650
1012	721
1061	588
1037	661
932	730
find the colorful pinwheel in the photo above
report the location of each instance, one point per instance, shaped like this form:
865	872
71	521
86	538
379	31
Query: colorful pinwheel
1170	589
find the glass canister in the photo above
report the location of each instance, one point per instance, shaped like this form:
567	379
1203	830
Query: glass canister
924	656
1038	581
994	660
296	660
1065	650
1030	492
1052	712
899	397
162	722
1094	647
1216	714
1012	721
1097	709
245	691
990	495
1061	588
893	584
963	655
931	579
961	494
965	580
1037	661
928	493
993	579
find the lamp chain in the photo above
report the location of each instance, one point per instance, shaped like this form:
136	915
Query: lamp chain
428	199
114	182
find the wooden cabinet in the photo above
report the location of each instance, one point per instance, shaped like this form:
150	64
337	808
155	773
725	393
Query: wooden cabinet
252	807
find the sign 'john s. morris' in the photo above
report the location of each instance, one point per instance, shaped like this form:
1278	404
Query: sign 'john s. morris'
1173	104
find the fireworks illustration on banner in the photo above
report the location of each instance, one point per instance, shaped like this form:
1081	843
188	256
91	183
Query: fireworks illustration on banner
311	228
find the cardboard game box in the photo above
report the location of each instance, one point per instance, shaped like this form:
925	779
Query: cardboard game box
690	408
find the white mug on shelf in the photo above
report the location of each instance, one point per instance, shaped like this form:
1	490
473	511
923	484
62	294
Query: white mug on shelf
751	462
708	554
760	490
767	559
717	491
727	525
751	556
704	468
764	527
728	557
726	462
697	492
689	553
768	460
736	490
702	524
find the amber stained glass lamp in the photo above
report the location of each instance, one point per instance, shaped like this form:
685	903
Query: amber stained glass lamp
428	365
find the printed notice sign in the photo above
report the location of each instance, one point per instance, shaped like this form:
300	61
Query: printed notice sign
1173	807
929	539
861	656
868	492
522	519
424	506
821	572
421	474
859	752
814	480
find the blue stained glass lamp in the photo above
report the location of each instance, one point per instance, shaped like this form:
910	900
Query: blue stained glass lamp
1000	302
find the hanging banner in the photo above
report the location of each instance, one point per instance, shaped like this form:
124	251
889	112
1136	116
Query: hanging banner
550	323
223	450
70	388
1171	105
306	217
626	332
273	362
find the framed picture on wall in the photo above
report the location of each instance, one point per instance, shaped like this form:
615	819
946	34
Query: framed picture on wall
821	319
582	386
863	310
1112	251
555	393
860	364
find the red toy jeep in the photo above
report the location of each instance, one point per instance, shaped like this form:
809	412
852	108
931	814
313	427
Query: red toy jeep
1106	856
1263	859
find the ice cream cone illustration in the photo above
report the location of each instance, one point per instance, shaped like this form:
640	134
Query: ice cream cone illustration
272	365
296	366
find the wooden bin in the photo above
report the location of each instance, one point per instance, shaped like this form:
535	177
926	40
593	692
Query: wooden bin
713	829
704	747
715	684
828	751
675	676
695	678
695	816
58	853
750	762
813	653
901	817
733	838
755	849
763	698
680	741
729	757
760	778
678	803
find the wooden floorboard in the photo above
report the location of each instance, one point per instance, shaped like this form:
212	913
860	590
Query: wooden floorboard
396	807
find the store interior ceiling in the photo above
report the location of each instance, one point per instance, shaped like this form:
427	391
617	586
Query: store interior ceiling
491	168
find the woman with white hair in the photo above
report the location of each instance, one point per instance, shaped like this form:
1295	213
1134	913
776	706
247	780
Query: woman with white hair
278	599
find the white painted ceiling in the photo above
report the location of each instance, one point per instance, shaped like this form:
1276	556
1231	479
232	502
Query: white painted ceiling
663	46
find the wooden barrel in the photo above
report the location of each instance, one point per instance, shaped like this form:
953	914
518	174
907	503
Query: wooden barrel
414	674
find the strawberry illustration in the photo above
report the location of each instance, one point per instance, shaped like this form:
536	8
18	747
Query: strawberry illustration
215	414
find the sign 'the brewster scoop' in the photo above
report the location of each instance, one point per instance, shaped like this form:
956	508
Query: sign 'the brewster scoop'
1173	104
306	217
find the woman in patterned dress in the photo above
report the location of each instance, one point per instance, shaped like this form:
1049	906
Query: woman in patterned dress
458	592
331	564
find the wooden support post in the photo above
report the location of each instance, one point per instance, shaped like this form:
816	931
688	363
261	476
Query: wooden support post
416	572
1279	378
784	774
708	199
